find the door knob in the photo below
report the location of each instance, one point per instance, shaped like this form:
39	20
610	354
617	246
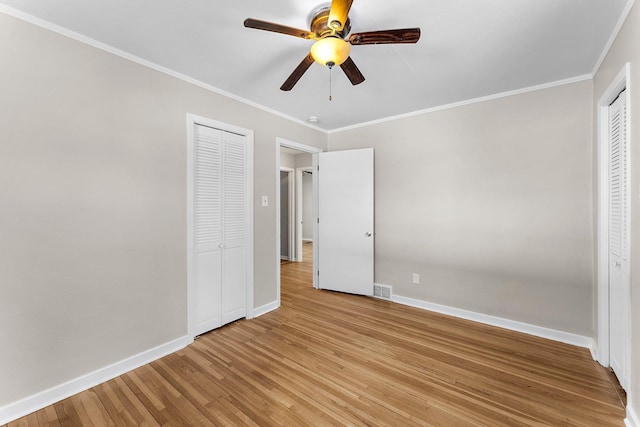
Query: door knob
367	234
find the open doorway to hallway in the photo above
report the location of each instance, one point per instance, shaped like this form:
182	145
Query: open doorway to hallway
296	202
296	211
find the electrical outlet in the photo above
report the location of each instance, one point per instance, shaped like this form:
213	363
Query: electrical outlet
416	278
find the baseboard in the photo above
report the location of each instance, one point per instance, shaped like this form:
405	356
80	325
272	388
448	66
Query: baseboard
564	337
30	404
266	308
632	419
593	348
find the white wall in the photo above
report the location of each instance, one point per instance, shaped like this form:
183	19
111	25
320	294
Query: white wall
93	213
627	49
491	203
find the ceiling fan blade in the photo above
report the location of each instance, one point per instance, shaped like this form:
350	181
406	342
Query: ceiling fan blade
297	73
339	13
404	35
277	28
351	70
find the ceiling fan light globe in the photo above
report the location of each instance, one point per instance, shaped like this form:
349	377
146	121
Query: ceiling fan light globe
330	50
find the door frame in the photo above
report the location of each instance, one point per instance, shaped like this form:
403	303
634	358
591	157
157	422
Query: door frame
621	82
192	121
281	142
292	212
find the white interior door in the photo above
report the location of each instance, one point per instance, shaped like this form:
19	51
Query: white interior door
345	221
618	239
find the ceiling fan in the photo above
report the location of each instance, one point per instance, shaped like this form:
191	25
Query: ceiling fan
329	27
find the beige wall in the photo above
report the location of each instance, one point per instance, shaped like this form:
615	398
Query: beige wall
287	160
93	205
627	49
304	160
491	203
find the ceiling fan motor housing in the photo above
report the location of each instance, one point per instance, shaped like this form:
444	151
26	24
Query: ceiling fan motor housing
319	24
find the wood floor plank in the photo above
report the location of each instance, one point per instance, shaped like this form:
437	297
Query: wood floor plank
122	405
330	359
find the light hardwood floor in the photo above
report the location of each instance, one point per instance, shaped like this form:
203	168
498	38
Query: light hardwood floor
326	358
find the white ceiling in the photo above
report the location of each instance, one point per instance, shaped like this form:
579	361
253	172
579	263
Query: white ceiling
469	48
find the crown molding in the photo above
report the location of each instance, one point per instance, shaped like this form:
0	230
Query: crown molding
468	102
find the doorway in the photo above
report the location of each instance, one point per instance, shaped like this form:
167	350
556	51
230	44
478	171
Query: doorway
614	269
293	156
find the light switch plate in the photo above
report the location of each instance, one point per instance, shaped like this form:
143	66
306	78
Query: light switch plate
265	201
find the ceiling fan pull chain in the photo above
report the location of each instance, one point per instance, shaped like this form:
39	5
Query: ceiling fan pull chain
330	97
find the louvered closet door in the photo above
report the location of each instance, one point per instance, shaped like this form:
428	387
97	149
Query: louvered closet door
208	227
618	234
219	223
233	241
